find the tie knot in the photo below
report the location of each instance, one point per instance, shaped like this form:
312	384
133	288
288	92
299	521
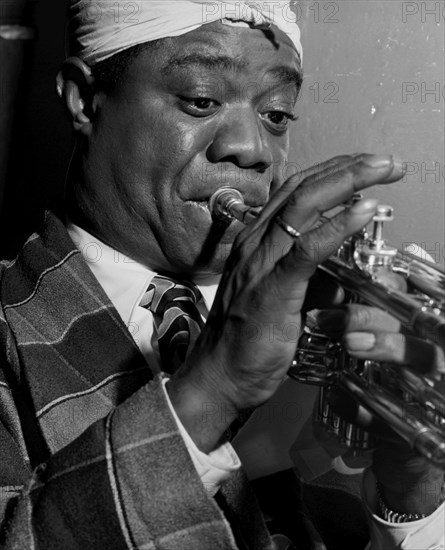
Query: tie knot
162	291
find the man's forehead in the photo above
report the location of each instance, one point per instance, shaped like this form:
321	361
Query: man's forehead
222	48
220	35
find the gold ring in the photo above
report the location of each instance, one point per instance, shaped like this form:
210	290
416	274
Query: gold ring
287	228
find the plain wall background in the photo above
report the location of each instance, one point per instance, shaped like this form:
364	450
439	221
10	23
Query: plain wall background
368	69
359	56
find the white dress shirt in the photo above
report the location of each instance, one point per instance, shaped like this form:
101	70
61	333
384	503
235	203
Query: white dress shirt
125	282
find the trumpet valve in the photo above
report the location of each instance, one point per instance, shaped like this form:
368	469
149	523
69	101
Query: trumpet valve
384	214
373	253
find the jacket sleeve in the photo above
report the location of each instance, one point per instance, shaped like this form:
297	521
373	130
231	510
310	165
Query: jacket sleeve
126	482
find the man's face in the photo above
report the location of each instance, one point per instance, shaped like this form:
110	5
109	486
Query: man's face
205	110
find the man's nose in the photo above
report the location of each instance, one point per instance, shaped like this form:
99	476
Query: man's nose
241	140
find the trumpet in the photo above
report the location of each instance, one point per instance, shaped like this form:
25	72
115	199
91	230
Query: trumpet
412	405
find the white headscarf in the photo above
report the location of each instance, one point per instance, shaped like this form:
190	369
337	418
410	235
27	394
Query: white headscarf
99	29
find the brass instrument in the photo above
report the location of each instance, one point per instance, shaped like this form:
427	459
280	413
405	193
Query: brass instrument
365	266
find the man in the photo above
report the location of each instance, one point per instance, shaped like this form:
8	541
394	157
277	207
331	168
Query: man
99	449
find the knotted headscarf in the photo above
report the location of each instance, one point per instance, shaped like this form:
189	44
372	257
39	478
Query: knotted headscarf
99	29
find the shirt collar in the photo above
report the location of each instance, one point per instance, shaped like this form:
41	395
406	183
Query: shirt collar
124	280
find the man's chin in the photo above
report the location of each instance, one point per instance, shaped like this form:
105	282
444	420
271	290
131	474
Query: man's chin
216	248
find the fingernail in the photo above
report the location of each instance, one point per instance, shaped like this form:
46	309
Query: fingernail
378	161
331	318
365	206
359	341
398	171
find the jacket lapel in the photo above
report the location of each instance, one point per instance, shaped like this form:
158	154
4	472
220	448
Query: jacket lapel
75	356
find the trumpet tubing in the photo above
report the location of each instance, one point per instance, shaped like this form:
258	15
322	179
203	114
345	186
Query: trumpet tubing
412	405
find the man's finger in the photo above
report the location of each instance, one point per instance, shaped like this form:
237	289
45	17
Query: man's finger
323	291
320	194
281	196
325	186
422	356
356	318
314	247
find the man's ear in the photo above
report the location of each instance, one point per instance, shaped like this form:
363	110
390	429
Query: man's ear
75	87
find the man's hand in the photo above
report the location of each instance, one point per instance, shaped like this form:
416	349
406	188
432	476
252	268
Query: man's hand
410	484
251	334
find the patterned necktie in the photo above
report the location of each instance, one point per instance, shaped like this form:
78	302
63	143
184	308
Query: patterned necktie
176	317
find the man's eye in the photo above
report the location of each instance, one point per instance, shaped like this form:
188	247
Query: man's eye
200	106
203	103
280	119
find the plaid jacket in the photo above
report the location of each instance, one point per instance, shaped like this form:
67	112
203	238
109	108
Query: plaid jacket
90	457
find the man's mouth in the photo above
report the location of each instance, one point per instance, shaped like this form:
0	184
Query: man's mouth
199	203
200	209
254	196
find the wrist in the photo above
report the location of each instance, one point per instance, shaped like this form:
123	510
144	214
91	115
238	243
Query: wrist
409	483
412	502
202	408
390	515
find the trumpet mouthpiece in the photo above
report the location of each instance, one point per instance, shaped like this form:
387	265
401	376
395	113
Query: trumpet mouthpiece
223	201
